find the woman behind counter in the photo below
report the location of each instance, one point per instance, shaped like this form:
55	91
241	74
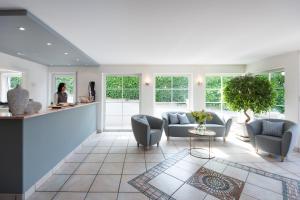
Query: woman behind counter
61	96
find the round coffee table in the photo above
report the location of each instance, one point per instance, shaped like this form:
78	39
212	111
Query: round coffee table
194	133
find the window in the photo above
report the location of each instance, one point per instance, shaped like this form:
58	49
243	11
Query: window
70	80
171	93
9	80
214	92
122	101
277	79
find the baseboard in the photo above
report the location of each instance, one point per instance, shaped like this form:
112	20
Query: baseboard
42	180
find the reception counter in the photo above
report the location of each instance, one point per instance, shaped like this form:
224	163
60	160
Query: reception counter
32	145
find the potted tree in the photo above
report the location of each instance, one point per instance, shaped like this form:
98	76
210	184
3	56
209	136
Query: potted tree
249	93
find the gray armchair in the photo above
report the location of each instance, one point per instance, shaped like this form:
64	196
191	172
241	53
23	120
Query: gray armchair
281	145
147	132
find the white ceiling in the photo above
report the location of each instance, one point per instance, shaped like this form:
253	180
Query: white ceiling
172	31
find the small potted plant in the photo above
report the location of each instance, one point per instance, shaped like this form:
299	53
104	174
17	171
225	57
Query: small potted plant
201	117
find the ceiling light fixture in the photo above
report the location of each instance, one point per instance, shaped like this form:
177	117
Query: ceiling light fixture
49	43
66	53
20	54
21	28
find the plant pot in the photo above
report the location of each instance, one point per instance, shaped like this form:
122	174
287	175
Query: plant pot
242	134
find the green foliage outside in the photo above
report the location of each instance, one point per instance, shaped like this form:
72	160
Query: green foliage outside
68	80
122	87
14	81
171	89
214	92
249	92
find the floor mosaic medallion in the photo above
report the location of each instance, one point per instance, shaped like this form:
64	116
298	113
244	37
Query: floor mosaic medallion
216	184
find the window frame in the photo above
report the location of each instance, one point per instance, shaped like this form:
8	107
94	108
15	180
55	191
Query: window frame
189	88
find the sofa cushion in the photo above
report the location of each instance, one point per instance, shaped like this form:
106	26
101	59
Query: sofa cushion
268	143
272	128
173	118
183	119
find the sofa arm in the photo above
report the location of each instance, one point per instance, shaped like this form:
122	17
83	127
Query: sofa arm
166	123
228	126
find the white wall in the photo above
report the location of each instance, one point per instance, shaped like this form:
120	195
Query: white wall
34	76
290	62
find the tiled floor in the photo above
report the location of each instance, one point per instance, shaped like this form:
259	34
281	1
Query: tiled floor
104	165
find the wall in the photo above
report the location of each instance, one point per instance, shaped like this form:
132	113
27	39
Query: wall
34	76
290	62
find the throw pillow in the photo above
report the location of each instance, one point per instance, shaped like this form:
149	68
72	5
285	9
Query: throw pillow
272	128
173	118
183	119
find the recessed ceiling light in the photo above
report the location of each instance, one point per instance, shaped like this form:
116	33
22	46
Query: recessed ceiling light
20	54
77	59
21	28
49	43
66	53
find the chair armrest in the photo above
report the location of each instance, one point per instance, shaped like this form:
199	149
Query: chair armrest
253	129
155	123
289	139
141	132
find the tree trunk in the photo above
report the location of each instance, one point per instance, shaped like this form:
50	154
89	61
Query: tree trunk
248	117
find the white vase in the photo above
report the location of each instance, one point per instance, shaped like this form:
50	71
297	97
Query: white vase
17	100
33	107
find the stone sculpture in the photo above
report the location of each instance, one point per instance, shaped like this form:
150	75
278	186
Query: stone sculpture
33	107
18	99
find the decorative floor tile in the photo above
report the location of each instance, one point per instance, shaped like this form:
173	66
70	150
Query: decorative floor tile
216	184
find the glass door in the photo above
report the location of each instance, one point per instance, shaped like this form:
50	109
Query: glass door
121	101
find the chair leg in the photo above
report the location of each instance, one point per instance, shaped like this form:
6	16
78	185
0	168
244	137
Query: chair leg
138	144
282	158
224	139
168	138
158	144
256	150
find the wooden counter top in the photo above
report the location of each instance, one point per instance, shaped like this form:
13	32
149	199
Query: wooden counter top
7	115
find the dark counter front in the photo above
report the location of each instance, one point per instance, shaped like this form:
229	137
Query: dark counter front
32	146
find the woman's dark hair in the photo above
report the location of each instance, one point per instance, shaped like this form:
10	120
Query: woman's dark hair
60	86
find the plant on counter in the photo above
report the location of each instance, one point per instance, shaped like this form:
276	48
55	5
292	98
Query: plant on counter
249	92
